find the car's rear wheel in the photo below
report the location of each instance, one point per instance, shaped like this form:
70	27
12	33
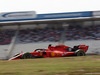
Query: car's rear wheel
80	53
27	56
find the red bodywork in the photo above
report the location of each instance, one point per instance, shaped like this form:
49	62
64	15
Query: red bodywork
53	51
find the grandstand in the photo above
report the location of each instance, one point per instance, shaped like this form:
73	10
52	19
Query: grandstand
30	31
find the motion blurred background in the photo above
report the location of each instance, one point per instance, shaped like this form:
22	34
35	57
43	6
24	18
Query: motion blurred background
26	31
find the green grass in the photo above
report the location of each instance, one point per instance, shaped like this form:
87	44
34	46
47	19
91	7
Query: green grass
51	66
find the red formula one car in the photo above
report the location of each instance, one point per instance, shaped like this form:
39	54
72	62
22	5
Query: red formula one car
54	51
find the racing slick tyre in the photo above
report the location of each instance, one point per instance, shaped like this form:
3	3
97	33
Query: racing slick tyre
27	56
80	53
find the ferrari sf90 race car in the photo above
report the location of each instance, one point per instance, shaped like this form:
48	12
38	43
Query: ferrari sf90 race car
53	51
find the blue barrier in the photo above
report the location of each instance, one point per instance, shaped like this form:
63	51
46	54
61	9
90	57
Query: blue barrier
53	16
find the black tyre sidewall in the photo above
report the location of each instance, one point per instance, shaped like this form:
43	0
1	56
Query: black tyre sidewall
27	56
80	53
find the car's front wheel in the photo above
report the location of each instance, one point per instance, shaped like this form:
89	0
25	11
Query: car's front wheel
27	56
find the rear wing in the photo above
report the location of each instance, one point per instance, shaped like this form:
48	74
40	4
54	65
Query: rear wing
83	47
